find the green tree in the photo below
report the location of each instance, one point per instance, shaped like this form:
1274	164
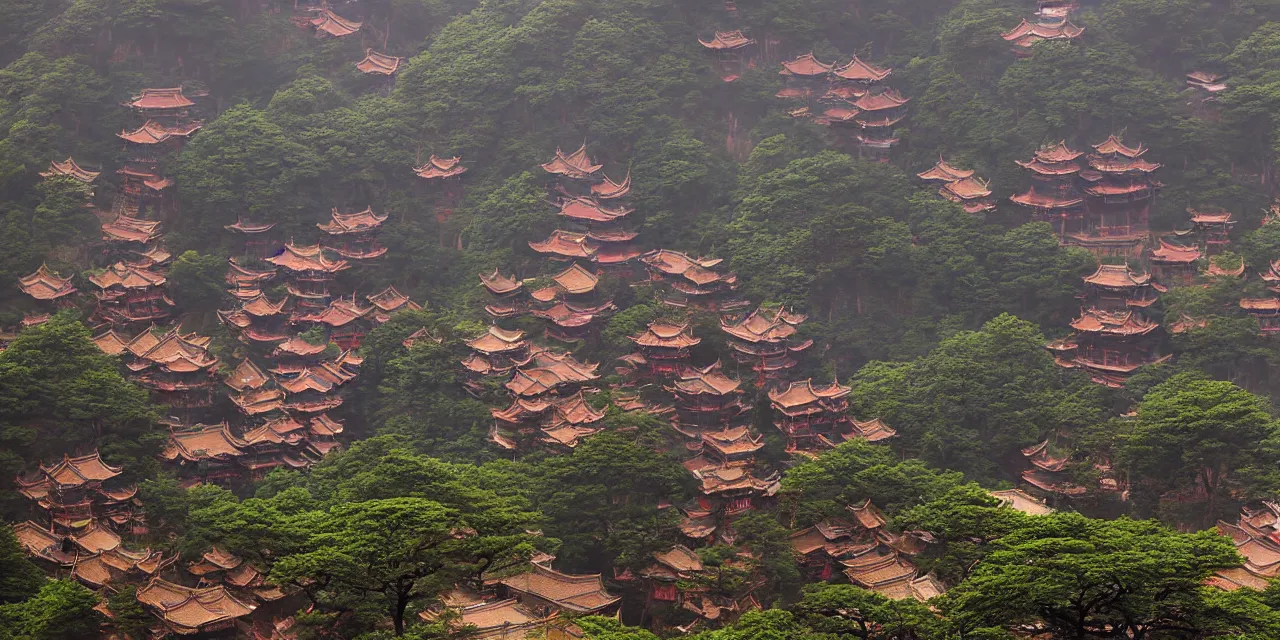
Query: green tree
61	610
846	611
1085	578
1197	436
19	579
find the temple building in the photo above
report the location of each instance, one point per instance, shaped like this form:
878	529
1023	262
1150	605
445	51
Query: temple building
126	230
1267	312
242	579
45	285
310	273
765	340
508	295
83	489
545	589
554	423
568	322
1048	472
1053	195
167	105
205	453
259	320
1115	287
732	488
693	280
575	167
877	114
1118	192
437	168
566	245
378	64
497	352
344	321
388	302
257	243
662	349
245	283
177	368
1019	500
1213	228
70	169
328	23
943	172
1108	345
128	295
972	194
707	400
810	414
573	284
806	77
1254	536
729	47
1173	264
1024	36
551	373
357	234
189	611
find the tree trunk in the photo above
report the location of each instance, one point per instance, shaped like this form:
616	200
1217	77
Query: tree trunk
397	616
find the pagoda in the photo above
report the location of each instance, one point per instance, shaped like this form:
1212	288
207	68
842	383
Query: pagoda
177	368
693	279
144	193
295	355
1048	472
129	294
725	475
245	283
764	339
329	24
558	423
1212	227
389	301
566	245
573	284
218	567
259	320
605	228
876	116
357	232
497	351
1053	195
314	390
125	229
83	489
1118	191
1174	264
256	241
378	64
1024	36
1116	287
1109	345
310	273
729	47
508	295
662	349
810	415
707	400
45	285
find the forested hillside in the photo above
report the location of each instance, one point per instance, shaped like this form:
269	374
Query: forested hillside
628	319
